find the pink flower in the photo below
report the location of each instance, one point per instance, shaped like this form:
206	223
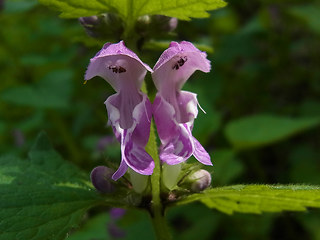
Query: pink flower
174	110
129	110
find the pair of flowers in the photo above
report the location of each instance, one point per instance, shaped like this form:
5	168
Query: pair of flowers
130	111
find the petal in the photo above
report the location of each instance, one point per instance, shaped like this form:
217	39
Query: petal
142	115
134	138
138	159
121	171
164	116
188	106
177	64
167	155
125	113
200	153
118	65
114	115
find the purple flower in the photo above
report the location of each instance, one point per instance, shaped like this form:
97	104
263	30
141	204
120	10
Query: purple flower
175	110
117	213
129	110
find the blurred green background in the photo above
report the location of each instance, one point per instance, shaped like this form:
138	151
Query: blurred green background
262	100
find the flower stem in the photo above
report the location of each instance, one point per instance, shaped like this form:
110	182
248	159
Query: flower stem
156	210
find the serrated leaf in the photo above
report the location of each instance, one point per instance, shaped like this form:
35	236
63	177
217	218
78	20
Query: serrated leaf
261	130
132	9
42	197
258	198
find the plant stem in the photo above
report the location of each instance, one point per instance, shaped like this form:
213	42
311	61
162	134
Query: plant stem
157	211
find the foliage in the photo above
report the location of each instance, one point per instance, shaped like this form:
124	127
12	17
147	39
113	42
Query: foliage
261	126
260	130
131	10
43	196
258	198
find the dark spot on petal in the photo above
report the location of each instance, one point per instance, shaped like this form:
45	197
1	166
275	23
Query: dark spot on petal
121	69
175	66
117	69
180	63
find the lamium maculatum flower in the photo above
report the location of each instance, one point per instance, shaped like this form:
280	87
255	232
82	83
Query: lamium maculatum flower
174	110
129	110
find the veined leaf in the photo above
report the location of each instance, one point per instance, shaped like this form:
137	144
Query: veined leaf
258	198
132	9
260	130
42	197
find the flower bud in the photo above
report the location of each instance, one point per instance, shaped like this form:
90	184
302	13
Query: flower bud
166	24
200	180
101	179
102	26
156	25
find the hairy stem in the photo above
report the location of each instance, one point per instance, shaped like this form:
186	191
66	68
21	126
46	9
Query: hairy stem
157	210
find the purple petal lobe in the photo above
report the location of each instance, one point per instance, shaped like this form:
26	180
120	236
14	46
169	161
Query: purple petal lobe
121	171
132	131
200	153
138	159
118	65
167	155
177	64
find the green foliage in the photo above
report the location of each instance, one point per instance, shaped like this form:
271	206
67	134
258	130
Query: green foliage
261	130
195	221
265	59
53	91
133	222
308	14
258	198
42	197
19	6
226	168
95	228
183	9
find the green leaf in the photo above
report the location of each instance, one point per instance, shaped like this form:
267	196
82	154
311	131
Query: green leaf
195	220
42	197
53	91
258	198
95	229
261	130
226	166
309	14
132	9
137	225
19	6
